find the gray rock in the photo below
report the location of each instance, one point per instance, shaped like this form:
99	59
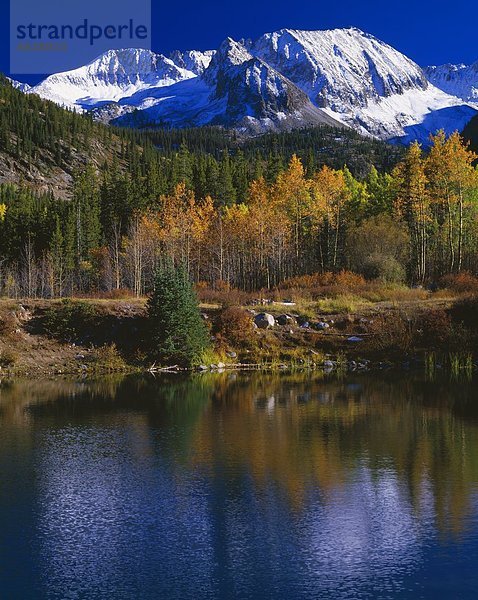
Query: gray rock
231	354
284	320
264	321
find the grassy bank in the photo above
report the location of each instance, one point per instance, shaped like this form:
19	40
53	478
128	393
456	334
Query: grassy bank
337	326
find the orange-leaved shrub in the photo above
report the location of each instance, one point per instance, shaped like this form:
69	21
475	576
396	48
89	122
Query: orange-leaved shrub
465	312
462	283
235	326
318	285
435	328
7	323
393	332
226	296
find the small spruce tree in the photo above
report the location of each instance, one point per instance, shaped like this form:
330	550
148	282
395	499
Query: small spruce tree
178	332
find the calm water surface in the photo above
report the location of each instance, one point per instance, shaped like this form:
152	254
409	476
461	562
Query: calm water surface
239	487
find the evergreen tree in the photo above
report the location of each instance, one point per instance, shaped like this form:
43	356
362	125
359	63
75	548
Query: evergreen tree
86	199
178	331
226	193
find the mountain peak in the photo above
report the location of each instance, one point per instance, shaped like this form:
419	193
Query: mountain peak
233	52
339	68
110	77
230	54
19	85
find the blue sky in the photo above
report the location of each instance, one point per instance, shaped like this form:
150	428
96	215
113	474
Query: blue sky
429	32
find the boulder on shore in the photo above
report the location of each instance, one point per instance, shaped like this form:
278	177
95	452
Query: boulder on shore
264	321
321	326
284	320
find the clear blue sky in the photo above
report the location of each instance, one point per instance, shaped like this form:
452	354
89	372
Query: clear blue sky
429	32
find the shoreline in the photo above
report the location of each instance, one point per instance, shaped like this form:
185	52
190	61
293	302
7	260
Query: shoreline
379	337
416	367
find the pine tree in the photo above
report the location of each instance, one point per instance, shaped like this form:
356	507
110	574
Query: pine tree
226	192
86	200
178	332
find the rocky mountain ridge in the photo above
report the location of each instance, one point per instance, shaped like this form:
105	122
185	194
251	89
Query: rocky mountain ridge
282	80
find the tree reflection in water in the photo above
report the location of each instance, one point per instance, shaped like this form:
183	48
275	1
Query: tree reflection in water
228	478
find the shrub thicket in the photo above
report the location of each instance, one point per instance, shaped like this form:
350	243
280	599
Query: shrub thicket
70	319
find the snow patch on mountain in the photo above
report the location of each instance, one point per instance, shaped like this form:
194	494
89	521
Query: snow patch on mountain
413	115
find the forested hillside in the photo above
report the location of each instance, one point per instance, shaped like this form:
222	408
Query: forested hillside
316	147
42	145
248	215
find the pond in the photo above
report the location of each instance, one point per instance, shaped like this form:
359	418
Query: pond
239	486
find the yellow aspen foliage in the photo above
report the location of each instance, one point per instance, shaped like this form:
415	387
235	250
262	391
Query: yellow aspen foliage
292	190
413	204
452	183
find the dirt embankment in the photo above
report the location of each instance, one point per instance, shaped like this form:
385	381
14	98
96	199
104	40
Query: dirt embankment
28	346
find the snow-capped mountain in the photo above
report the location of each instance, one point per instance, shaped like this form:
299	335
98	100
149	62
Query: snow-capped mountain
341	68
192	60
459	80
235	90
361	81
284	79
111	77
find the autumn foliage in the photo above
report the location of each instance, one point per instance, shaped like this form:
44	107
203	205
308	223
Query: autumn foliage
302	228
